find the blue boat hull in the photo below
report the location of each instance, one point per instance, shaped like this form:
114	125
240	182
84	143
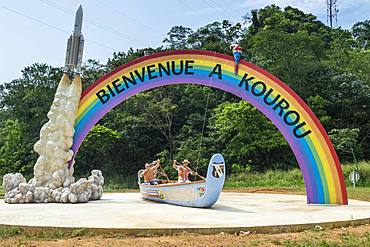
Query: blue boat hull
201	194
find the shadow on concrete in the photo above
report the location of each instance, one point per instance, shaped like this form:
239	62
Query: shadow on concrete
223	208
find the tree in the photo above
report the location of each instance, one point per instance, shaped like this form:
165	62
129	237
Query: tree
290	56
360	65
318	105
197	103
14	151
120	58
348	105
28	99
100	150
289	20
349	98
24	104
328	68
346	143
91	71
178	37
244	136
216	36
338	52
361	33
158	112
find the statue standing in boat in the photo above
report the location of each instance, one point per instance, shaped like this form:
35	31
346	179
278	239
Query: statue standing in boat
183	171
150	173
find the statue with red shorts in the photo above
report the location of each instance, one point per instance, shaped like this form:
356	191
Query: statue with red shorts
183	171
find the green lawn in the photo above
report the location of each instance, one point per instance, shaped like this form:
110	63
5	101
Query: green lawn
292	182
359	193
291	178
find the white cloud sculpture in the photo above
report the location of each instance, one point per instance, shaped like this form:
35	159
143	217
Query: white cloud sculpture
53	181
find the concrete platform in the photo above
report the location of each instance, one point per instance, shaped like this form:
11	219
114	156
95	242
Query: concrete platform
127	212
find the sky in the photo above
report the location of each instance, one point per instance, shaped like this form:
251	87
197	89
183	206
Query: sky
36	31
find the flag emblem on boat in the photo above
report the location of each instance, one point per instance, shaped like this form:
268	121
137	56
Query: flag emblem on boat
201	190
218	169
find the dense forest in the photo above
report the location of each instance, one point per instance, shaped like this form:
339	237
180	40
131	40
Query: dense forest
328	68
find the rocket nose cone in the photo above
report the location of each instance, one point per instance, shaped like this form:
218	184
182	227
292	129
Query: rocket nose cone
79	10
78	20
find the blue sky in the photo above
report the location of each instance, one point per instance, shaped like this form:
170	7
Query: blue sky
117	25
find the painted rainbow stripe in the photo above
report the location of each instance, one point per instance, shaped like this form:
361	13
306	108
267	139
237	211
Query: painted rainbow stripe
315	154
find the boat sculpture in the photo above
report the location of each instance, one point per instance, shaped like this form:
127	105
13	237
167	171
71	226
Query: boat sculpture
200	194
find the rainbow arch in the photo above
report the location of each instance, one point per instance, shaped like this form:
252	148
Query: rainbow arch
307	138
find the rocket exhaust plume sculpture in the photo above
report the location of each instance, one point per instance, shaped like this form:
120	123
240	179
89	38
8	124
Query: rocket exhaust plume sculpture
53	179
75	45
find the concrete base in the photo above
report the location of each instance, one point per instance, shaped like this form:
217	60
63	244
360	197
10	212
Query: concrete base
129	213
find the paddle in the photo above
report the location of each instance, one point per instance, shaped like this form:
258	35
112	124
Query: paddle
164	173
194	173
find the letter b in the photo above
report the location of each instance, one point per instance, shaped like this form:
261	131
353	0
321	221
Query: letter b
103	96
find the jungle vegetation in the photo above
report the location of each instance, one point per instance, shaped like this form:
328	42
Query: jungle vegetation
328	68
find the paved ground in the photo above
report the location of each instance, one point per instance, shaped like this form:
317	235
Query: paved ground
128	210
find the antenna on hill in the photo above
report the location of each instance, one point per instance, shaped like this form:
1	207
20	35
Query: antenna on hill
332	12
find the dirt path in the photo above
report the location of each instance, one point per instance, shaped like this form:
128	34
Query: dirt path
351	236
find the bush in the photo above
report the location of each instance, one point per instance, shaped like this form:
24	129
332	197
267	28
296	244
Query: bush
291	178
364	169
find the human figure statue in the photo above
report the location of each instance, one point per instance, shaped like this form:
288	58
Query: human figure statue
150	173
183	171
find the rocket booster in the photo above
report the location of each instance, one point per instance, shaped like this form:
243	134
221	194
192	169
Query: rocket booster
75	45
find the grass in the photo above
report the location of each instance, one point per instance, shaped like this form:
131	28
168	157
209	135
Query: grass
120	184
359	193
364	169
346	237
79	232
49	234
292	178
292	181
2	193
271	179
13	231
9	231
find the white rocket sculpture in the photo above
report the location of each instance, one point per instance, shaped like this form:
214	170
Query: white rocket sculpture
56	136
75	45
53	180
